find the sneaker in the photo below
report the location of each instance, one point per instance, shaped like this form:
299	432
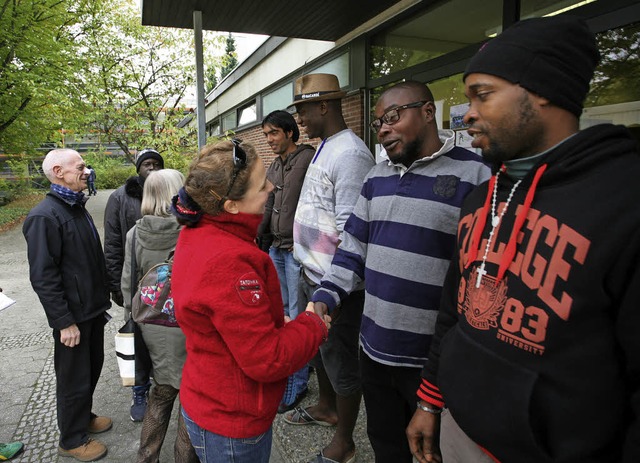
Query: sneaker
99	424
92	450
138	405
10	450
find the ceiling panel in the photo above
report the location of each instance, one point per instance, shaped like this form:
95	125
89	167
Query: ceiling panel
308	19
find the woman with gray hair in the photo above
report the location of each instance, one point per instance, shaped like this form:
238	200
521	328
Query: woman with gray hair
155	235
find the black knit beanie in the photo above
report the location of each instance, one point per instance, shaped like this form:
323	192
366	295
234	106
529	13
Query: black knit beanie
552	57
146	154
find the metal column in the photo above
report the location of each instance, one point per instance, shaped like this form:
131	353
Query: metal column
197	33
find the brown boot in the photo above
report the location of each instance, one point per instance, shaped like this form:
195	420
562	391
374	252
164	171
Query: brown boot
99	424
92	450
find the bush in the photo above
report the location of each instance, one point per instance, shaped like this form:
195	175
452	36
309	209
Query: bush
110	172
13	213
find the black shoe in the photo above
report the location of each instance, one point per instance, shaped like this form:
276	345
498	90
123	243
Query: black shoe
282	408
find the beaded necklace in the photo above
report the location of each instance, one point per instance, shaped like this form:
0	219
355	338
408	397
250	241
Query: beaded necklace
495	221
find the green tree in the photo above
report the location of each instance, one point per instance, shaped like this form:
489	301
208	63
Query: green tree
137	81
618	73
230	58
38	66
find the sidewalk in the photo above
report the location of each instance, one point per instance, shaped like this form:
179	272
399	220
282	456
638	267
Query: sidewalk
27	388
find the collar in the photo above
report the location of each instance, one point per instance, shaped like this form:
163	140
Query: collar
68	196
519	168
447	137
242	225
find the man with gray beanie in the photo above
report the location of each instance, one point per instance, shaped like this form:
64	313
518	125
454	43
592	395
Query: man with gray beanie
121	213
536	354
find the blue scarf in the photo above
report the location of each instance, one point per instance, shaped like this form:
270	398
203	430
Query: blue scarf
68	195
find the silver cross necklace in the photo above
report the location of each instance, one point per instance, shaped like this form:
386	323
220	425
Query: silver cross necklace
495	221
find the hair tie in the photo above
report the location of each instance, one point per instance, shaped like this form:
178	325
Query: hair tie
185	208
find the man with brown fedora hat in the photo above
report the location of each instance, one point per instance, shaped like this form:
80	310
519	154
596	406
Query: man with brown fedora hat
317	87
329	193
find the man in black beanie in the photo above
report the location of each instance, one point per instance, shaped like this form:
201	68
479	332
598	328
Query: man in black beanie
536	353
121	213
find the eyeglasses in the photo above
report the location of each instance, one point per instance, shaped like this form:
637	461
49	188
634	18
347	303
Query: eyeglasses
393	115
239	162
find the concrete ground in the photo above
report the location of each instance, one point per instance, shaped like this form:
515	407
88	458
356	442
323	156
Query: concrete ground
27	382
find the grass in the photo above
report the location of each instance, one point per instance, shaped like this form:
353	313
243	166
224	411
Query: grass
13	214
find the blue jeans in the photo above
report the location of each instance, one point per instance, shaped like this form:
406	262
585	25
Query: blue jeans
214	448
288	273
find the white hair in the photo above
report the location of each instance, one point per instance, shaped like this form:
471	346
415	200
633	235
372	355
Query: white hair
58	157
159	187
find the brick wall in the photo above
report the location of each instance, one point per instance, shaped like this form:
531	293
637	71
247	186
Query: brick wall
352	110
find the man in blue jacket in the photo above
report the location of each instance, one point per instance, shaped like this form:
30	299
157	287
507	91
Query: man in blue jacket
67	271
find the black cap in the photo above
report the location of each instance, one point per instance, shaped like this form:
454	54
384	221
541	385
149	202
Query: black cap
552	57
146	154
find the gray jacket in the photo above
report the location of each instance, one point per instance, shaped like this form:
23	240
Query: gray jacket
156	237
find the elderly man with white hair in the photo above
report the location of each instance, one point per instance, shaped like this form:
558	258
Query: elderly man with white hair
67	271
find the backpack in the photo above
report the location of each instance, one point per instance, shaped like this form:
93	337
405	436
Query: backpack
152	302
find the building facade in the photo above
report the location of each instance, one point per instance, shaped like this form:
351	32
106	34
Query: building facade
428	41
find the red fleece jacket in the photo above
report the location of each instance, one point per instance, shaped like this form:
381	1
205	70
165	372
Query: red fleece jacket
239	351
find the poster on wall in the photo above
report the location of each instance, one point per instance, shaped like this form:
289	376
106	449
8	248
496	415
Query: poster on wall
456	118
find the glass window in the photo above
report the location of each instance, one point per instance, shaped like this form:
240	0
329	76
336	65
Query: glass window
338	66
279	98
229	121
615	94
442	29
537	8
247	114
214	128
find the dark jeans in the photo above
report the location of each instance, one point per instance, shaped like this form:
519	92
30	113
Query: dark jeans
338	355
390	400
77	372
142	362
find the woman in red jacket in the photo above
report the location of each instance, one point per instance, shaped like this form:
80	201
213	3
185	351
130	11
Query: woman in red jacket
229	306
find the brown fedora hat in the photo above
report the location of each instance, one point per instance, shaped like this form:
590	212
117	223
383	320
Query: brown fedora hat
316	87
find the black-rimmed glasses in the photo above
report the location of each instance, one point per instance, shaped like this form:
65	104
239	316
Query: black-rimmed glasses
239	162
393	115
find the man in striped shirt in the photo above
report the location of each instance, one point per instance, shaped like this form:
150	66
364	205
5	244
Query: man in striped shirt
399	241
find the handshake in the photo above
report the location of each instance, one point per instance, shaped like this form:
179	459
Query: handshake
321	310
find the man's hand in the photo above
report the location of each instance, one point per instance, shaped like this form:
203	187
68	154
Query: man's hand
116	296
313	307
70	336
320	308
423	434
322	311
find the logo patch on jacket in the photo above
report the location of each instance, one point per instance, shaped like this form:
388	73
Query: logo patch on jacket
249	289
446	185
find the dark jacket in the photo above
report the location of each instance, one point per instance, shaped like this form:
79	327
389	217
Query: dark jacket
66	263
121	213
544	365
287	177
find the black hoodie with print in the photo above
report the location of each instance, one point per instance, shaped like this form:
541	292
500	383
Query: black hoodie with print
543	364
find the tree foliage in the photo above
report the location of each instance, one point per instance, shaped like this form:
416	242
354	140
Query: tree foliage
221	65
89	68
140	78
37	68
616	77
